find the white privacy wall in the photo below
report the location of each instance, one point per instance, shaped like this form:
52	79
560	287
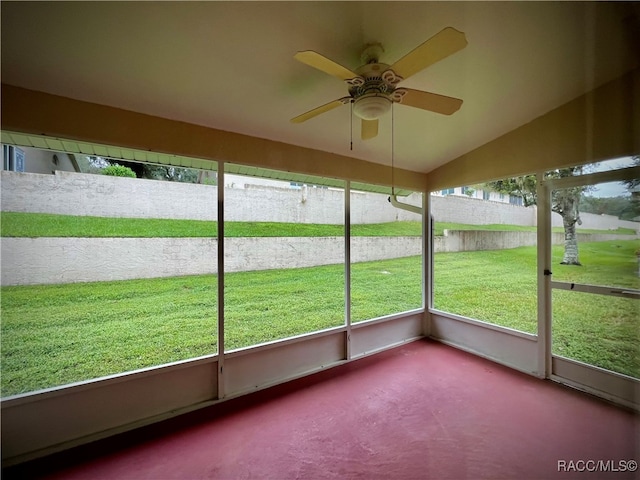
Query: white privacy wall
69	193
29	261
104	196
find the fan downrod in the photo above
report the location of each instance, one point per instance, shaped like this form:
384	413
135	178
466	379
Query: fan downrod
371	53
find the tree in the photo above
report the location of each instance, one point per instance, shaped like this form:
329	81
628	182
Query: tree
565	202
625	207
631	184
116	170
147	170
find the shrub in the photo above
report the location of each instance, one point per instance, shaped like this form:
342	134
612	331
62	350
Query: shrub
118	171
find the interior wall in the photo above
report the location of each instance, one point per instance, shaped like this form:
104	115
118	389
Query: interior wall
593	125
88	122
601	125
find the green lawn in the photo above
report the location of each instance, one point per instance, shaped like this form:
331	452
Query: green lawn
497	286
16	224
56	334
439	227
500	287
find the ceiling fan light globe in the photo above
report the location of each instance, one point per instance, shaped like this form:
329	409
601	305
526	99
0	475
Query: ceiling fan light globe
371	107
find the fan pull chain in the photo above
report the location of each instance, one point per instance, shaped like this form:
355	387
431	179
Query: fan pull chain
393	183
351	127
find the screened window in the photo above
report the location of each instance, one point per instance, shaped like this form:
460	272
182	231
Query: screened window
284	260
386	256
484	261
103	275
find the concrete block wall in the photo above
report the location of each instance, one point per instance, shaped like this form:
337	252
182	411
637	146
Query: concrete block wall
599	222
475	211
69	193
98	195
470	240
46	260
475	240
312	205
29	261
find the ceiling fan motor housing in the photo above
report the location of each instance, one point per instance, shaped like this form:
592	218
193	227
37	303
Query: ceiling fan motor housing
373	91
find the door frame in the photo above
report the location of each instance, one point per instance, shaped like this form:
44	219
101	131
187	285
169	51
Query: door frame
622	389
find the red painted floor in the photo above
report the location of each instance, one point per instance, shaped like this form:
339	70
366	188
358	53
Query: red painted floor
420	411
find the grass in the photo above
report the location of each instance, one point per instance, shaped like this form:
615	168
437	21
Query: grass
500	287
18	224
441	226
497	286
57	334
596	329
600	330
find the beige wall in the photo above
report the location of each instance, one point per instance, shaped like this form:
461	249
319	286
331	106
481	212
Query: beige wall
87	122
600	125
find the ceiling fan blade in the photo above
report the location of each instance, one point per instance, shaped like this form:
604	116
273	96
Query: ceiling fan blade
369	129
322	63
430	101
321	109
441	45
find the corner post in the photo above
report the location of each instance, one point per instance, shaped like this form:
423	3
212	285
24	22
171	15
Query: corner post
544	276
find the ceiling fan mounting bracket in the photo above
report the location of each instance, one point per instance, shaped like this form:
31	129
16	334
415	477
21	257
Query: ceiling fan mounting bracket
371	53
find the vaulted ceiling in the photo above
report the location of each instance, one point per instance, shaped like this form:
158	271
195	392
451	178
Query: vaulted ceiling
230	65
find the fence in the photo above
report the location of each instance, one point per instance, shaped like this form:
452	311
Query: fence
69	193
98	195
28	261
63	260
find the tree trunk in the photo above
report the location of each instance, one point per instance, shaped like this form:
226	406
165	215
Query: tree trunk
565	202
570	242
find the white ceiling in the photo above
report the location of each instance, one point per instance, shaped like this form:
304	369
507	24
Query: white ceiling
230	65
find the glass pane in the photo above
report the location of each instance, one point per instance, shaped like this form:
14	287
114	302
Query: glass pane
594	235
595	242
599	330
104	274
386	256
485	256
284	259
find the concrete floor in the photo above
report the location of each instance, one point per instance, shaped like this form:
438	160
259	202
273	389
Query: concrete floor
423	410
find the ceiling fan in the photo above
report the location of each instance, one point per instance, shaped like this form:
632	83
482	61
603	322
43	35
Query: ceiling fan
373	86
